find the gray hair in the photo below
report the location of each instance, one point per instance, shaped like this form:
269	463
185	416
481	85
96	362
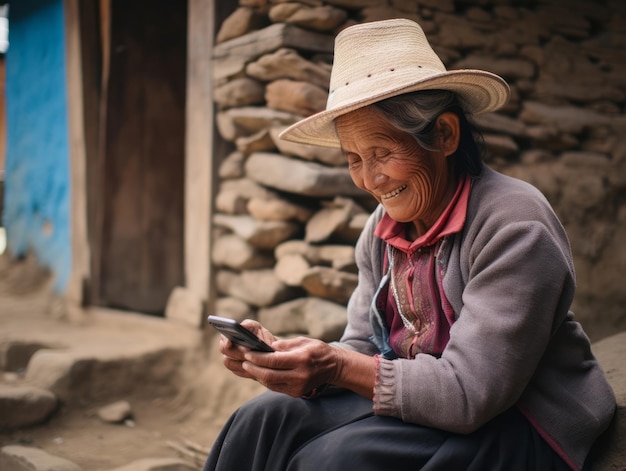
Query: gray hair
416	113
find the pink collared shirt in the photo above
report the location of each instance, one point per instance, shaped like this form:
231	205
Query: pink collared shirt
418	315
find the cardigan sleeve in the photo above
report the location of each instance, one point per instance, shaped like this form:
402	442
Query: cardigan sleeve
520	281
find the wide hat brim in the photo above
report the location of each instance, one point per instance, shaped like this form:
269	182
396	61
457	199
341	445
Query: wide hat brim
479	91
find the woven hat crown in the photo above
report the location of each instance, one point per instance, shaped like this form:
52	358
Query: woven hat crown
378	60
368	59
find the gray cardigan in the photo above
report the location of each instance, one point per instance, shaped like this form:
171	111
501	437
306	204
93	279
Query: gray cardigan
509	276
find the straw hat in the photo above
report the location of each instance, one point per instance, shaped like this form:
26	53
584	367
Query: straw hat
379	60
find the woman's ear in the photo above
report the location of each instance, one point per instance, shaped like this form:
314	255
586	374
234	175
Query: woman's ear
449	132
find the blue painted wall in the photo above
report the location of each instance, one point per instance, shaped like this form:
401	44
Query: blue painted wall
37	204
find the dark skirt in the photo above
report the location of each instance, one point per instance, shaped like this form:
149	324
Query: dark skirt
274	432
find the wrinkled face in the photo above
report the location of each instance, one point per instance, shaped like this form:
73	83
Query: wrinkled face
413	184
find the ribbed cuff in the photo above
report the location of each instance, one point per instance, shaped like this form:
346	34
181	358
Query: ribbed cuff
383	388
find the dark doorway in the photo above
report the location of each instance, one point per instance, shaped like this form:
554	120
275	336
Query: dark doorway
135	136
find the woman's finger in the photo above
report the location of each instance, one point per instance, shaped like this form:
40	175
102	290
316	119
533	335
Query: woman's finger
229	349
236	367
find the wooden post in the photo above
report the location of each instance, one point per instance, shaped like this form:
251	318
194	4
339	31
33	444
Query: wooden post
199	167
78	199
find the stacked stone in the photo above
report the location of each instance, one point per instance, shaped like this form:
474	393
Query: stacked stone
288	215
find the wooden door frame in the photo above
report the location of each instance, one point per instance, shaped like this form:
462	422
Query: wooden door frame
80	250
203	146
200	173
202	143
86	44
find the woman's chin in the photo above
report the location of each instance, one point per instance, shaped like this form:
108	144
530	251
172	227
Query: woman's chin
397	214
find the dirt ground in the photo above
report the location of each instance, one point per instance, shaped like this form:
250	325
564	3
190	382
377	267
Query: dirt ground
78	435
182	425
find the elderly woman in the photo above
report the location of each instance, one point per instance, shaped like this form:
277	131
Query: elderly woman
460	350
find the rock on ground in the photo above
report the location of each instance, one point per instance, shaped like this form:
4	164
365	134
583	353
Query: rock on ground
115	412
23	458
21	406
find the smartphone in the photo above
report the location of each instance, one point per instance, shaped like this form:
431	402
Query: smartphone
238	334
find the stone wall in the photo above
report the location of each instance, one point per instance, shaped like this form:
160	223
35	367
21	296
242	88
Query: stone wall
288	215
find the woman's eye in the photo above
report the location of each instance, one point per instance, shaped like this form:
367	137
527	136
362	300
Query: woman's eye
353	160
383	153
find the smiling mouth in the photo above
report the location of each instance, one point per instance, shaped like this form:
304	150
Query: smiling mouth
394	193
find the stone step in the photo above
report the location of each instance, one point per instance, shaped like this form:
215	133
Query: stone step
107	355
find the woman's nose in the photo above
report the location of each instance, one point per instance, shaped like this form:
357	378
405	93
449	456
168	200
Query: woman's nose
374	177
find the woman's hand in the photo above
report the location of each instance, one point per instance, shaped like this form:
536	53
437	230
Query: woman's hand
233	355
297	367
